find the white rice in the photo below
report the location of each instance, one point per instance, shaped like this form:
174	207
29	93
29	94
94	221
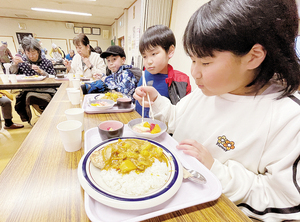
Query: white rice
135	184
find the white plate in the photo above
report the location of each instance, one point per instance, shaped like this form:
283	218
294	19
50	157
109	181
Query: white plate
94	186
109	103
189	193
30	78
162	126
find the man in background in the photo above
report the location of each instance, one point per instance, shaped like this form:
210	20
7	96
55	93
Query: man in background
70	55
5	55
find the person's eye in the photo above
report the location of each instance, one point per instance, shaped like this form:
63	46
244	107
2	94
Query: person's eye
154	53
144	57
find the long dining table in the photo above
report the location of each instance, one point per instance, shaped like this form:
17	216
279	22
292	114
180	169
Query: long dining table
40	183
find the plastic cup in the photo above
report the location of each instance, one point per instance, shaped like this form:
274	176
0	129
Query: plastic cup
68	90
76	83
13	78
75	114
74	96
4	78
7	66
70	134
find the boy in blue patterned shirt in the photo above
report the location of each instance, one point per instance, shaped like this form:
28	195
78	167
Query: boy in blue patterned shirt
122	78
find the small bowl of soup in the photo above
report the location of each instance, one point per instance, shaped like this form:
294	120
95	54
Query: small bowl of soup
60	76
124	103
110	129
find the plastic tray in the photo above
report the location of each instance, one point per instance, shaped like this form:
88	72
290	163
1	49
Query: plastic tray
189	194
114	109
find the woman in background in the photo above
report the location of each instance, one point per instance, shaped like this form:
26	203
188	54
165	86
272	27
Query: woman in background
32	63
86	61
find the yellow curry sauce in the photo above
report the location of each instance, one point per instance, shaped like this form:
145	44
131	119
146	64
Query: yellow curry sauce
113	96
131	154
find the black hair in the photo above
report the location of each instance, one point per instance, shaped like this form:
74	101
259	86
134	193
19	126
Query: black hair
157	35
82	38
30	43
98	50
237	25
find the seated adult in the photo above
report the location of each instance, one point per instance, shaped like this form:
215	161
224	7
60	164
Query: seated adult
85	61
5	103
56	54
32	63
71	55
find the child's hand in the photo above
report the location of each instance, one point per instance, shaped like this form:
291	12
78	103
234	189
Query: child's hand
97	76
142	91
197	150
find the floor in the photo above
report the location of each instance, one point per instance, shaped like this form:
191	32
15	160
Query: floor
10	140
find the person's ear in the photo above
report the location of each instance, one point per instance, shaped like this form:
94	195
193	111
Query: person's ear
123	60
256	56
171	51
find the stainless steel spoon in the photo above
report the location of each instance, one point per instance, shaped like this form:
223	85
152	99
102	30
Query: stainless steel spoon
193	175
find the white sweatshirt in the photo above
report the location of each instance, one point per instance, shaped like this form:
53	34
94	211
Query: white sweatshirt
255	142
99	66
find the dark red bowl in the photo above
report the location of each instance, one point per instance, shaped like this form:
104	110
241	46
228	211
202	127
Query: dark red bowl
106	133
124	103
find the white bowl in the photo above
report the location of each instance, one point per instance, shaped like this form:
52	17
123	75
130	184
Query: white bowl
162	126
109	103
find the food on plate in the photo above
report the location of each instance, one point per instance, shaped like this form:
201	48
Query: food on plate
31	77
99	104
112	96
146	127
127	155
132	166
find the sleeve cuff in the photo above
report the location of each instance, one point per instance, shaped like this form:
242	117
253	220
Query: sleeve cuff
219	170
159	102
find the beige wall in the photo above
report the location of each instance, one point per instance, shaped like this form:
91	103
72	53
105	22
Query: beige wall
128	27
181	13
133	34
57	32
48	32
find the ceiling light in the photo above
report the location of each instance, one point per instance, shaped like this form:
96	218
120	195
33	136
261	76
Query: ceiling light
61	11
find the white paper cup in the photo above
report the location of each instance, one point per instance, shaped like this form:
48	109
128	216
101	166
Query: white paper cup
70	134
7	66
70	76
13	78
76	83
68	90
4	78
74	96
75	114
